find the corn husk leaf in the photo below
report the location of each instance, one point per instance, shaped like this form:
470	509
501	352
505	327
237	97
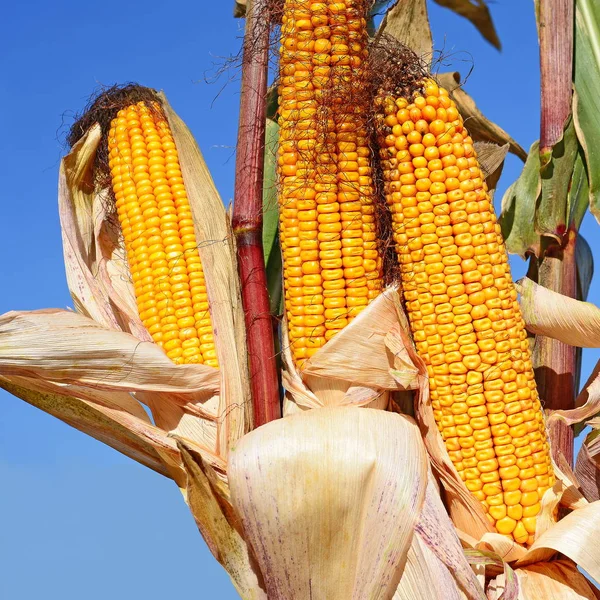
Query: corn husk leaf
519	205
478	13
328	377
217	252
97	276
218	524
480	128
103	419
586	104
558	580
365	338
553	315
505	585
574	536
438	538
67	347
408	22
325	503
425	576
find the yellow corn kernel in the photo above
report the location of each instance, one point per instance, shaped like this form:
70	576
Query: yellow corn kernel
325	174
463	314
158	231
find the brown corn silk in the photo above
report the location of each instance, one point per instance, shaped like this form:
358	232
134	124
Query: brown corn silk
462	304
332	268
156	220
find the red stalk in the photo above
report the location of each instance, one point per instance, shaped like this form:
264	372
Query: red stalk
556	371
247	215
556	64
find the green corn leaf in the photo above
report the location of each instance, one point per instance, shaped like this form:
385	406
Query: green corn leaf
551	215
519	205
271	218
586	107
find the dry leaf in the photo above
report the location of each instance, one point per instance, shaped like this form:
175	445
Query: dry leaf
329	377
218	528
363	341
326	504
558	580
408	22
551	314
491	161
575	537
425	576
436	531
120	430
478	13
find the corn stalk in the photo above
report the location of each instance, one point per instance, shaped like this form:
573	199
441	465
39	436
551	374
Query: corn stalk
248	215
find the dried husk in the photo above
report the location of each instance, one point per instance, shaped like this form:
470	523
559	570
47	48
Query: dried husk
325	503
354	367
553	315
558	580
95	368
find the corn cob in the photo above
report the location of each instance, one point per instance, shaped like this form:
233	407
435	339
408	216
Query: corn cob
156	220
332	268
463	308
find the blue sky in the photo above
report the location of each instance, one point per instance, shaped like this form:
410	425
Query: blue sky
77	519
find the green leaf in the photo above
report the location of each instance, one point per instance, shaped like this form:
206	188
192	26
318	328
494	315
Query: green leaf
271	218
579	192
586	107
551	214
478	13
518	208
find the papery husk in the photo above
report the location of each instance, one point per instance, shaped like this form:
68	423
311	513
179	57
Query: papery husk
553	315
439	539
105	345
575	536
558	580
408	22
326	504
353	368
103	419
502	582
425	576
209	502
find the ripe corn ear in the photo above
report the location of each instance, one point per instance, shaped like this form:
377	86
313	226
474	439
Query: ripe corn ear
156	220
463	308
332	267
